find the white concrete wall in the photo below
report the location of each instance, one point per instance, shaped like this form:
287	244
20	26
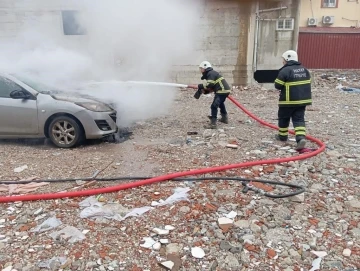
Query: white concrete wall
15	15
227	42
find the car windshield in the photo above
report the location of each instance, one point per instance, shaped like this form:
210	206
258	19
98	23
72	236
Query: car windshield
38	86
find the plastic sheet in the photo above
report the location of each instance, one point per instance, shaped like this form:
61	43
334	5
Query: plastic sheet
20	188
180	193
52	262
316	264
49	224
69	232
94	209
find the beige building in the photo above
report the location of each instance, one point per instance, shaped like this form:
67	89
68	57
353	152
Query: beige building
330	13
328	31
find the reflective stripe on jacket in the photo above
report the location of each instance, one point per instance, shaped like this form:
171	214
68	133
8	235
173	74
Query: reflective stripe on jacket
294	82
214	82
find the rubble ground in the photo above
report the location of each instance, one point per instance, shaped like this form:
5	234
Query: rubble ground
212	225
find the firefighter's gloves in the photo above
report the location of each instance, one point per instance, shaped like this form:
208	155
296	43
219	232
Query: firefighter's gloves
198	94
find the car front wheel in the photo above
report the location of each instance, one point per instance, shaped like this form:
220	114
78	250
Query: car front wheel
65	132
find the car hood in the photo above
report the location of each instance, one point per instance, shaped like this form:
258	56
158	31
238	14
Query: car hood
74	98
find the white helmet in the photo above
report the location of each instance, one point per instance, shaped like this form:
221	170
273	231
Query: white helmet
290	55
205	65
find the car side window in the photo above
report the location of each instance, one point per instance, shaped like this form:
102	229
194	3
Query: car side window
6	87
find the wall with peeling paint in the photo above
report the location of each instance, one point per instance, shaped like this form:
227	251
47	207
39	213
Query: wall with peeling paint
229	38
227	41
273	42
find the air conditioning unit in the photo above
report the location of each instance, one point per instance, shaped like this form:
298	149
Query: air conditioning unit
328	20
312	21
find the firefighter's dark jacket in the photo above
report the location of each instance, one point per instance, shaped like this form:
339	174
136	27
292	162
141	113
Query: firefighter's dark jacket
214	82
294	81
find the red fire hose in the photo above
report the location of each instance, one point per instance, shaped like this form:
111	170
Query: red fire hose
116	188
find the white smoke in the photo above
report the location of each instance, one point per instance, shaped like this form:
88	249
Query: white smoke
125	40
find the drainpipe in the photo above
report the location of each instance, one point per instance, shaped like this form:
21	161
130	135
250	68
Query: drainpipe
256	37
271	9
297	26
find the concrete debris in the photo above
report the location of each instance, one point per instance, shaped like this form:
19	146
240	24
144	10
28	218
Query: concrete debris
242	224
161	231
298	198
38	211
20	169
168	265
225	245
148	242
156	246
347	252
231	215
185	209
232	261
232	146
225	223
197	252
169	228
173	248
353	205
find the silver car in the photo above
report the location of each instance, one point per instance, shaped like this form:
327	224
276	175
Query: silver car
30	109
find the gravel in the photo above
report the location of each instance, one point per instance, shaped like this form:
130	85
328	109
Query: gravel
254	233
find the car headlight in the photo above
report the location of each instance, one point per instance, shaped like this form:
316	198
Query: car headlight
96	107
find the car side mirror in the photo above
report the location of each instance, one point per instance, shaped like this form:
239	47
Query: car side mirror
20	94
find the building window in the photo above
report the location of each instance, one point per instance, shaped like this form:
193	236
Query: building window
329	3
70	23
285	24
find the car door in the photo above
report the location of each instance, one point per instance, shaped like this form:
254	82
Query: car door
18	117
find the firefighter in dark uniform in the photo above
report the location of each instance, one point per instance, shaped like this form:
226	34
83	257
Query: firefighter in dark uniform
217	84
294	83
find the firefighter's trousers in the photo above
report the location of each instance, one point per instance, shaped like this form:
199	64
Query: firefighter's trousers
297	115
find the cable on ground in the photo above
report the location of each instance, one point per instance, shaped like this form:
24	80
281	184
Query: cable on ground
246	182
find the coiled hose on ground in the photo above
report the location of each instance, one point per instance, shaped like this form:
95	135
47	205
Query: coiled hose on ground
177	176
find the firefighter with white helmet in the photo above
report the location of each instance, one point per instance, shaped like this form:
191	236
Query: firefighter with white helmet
290	55
294	83
204	65
217	84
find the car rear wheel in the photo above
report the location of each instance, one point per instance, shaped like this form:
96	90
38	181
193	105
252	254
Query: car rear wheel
65	132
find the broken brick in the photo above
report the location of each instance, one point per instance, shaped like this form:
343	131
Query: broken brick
271	253
209	206
313	221
266	188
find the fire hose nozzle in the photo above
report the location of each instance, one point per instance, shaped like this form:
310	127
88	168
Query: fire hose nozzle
193	86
